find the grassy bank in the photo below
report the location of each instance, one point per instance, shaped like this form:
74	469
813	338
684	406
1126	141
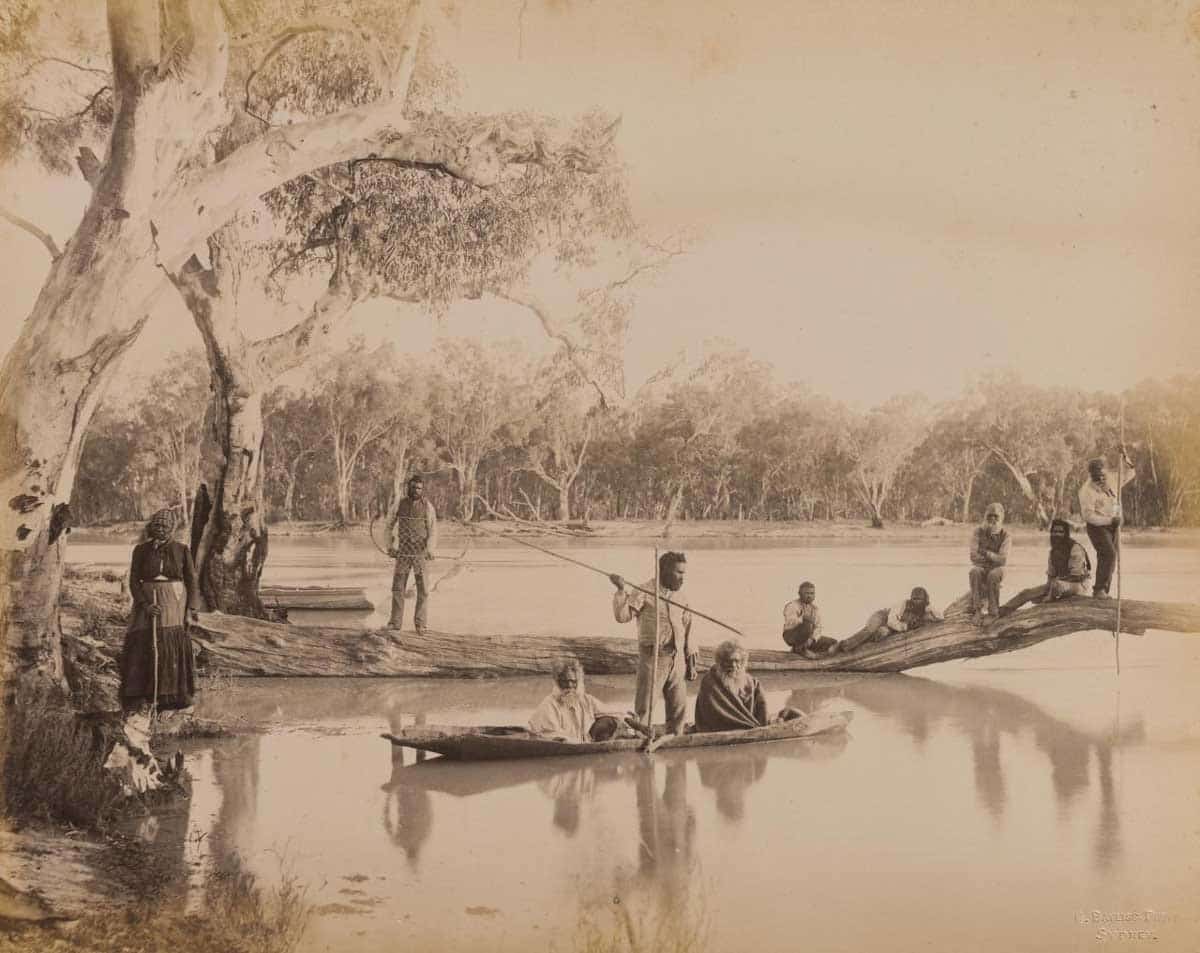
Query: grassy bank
235	915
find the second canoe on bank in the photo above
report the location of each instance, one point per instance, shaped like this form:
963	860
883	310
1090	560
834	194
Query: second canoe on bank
497	743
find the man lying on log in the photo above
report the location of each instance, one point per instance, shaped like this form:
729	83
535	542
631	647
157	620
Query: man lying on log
569	713
1068	571
730	698
907	616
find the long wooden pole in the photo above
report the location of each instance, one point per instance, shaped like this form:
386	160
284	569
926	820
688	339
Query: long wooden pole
1117	538
604	572
654	663
154	653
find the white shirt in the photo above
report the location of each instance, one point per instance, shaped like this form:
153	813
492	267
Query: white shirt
1099	505
568	715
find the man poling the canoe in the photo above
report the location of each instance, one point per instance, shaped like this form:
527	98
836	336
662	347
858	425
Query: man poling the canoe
664	635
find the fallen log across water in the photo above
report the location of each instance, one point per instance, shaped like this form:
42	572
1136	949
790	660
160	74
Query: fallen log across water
238	646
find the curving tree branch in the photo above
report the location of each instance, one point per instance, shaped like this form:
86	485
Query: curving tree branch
376	60
24	224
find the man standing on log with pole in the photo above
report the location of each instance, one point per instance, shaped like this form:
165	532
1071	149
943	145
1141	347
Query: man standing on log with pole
1100	507
668	643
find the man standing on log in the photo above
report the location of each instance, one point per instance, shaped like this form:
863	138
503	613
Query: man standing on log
990	544
413	535
672	638
1100	507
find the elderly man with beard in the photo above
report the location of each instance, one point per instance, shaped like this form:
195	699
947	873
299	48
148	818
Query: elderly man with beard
670	637
730	698
990	544
1100	507
568	713
1067	571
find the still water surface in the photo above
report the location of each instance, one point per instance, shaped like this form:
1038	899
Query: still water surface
1019	803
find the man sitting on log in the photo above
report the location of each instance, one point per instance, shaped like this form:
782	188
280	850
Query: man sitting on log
569	713
1068	571
802	624
908	616
990	544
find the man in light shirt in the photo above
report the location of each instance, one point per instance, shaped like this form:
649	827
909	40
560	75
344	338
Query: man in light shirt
567	713
802	624
1100	507
672	636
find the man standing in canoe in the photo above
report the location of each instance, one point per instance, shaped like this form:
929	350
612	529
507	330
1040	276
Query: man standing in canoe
412	535
672	636
1100	507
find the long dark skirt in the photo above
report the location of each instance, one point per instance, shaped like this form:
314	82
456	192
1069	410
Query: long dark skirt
176	665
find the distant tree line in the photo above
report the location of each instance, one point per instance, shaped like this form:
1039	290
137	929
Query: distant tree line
497	433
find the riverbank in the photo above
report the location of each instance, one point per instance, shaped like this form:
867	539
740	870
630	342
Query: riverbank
848	530
80	869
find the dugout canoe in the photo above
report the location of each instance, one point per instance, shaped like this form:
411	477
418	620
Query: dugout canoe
342	598
502	743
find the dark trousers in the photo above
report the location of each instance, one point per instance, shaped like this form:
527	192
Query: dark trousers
1105	541
405	565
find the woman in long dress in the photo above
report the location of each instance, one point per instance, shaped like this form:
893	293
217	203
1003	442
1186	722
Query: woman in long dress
162	581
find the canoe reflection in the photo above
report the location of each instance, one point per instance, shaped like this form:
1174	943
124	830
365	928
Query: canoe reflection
666	821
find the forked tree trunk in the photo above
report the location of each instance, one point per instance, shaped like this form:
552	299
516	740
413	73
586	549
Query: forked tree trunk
155	198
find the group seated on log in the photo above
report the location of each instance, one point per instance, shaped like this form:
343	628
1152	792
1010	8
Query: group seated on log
802	625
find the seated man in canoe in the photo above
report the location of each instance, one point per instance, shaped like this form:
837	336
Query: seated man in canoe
1068	571
802	624
569	713
907	616
730	698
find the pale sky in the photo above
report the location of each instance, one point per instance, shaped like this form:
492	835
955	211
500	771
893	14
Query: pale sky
889	196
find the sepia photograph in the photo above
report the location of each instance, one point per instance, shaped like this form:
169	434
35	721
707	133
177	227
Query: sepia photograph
599	476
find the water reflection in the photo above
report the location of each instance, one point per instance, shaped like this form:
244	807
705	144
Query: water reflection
235	770
407	811
984	715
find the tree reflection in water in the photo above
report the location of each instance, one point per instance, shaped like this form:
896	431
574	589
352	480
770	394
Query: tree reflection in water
985	714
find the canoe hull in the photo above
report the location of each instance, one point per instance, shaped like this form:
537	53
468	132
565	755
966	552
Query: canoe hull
487	744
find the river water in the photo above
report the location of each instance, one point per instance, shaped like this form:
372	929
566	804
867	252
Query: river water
1026	802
